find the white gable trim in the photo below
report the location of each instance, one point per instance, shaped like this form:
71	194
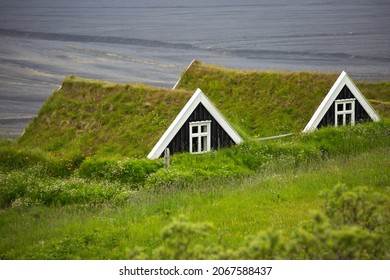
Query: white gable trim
342	80
185	113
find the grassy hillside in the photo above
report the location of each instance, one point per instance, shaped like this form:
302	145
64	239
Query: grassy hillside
269	103
238	201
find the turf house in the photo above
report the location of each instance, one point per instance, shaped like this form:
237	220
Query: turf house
198	128
343	105
90	117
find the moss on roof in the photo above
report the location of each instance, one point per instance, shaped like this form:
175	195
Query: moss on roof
88	117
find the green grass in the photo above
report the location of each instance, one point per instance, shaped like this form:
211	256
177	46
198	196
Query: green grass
237	210
278	192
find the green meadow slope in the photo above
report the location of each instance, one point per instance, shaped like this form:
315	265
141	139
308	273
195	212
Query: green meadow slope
267	214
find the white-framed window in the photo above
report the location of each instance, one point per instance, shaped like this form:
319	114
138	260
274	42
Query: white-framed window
200	139
344	112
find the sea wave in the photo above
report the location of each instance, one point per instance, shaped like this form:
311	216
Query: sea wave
247	53
94	39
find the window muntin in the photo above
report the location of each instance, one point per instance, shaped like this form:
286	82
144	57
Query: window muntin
345	112
200	139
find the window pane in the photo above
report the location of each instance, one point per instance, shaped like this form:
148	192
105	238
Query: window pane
348	119
203	147
204	128
339	119
195	141
348	106
340	107
194	129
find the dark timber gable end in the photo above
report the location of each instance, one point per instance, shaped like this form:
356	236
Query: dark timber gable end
360	114
209	129
219	137
352	106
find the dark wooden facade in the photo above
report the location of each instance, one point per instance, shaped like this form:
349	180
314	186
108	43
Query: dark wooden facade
360	114
219	137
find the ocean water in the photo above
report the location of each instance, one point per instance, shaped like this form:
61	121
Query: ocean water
152	42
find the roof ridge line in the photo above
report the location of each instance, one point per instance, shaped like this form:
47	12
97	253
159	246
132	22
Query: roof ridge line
178	81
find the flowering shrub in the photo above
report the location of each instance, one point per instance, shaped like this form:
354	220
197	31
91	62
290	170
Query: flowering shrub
128	171
24	189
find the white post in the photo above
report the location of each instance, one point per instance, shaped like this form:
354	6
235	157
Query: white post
166	158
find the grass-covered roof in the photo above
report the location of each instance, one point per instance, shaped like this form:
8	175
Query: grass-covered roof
87	117
262	104
93	117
